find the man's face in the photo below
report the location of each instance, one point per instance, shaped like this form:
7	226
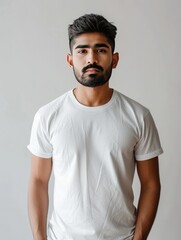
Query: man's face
92	59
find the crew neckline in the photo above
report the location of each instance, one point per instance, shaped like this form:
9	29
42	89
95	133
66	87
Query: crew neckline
94	108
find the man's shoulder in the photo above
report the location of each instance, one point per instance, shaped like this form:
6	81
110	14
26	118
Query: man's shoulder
50	109
129	104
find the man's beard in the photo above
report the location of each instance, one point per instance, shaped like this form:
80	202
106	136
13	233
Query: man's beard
94	79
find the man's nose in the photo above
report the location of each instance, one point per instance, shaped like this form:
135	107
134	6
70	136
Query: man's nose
92	57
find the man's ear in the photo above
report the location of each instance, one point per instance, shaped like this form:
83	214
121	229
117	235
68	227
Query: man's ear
69	60
115	60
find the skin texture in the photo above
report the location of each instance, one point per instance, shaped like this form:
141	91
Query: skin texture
85	51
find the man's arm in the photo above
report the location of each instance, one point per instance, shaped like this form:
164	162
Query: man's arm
38	196
148	172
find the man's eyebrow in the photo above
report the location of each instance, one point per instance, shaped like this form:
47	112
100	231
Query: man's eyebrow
82	46
97	45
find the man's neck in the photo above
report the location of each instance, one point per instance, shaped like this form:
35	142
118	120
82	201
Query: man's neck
93	97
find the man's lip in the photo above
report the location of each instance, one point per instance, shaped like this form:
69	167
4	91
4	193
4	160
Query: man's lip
92	70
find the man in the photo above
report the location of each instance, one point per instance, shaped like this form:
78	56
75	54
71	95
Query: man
93	137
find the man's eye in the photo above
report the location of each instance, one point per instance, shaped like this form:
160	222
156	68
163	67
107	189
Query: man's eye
101	50
82	51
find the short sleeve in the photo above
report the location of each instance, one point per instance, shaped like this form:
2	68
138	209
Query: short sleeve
39	141
148	145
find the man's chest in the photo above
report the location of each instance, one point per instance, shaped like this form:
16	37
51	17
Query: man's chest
75	133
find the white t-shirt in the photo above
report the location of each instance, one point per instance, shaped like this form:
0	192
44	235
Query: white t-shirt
93	151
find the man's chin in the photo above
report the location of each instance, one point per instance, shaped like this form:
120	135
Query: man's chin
93	83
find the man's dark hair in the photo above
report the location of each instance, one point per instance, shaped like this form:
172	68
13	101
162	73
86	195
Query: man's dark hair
89	23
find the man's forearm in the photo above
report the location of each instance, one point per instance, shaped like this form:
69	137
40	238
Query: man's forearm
147	208
38	209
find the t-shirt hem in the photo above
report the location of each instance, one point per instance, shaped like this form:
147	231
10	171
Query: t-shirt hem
149	155
37	153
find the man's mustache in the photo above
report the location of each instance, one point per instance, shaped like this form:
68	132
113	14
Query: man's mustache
92	66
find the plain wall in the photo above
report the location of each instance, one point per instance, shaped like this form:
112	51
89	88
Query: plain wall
33	48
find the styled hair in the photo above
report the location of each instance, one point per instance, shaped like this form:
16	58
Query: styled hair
90	23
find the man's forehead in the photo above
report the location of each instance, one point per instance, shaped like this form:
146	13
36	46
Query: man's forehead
91	40
96	45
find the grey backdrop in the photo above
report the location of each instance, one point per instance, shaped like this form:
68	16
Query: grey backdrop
33	46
